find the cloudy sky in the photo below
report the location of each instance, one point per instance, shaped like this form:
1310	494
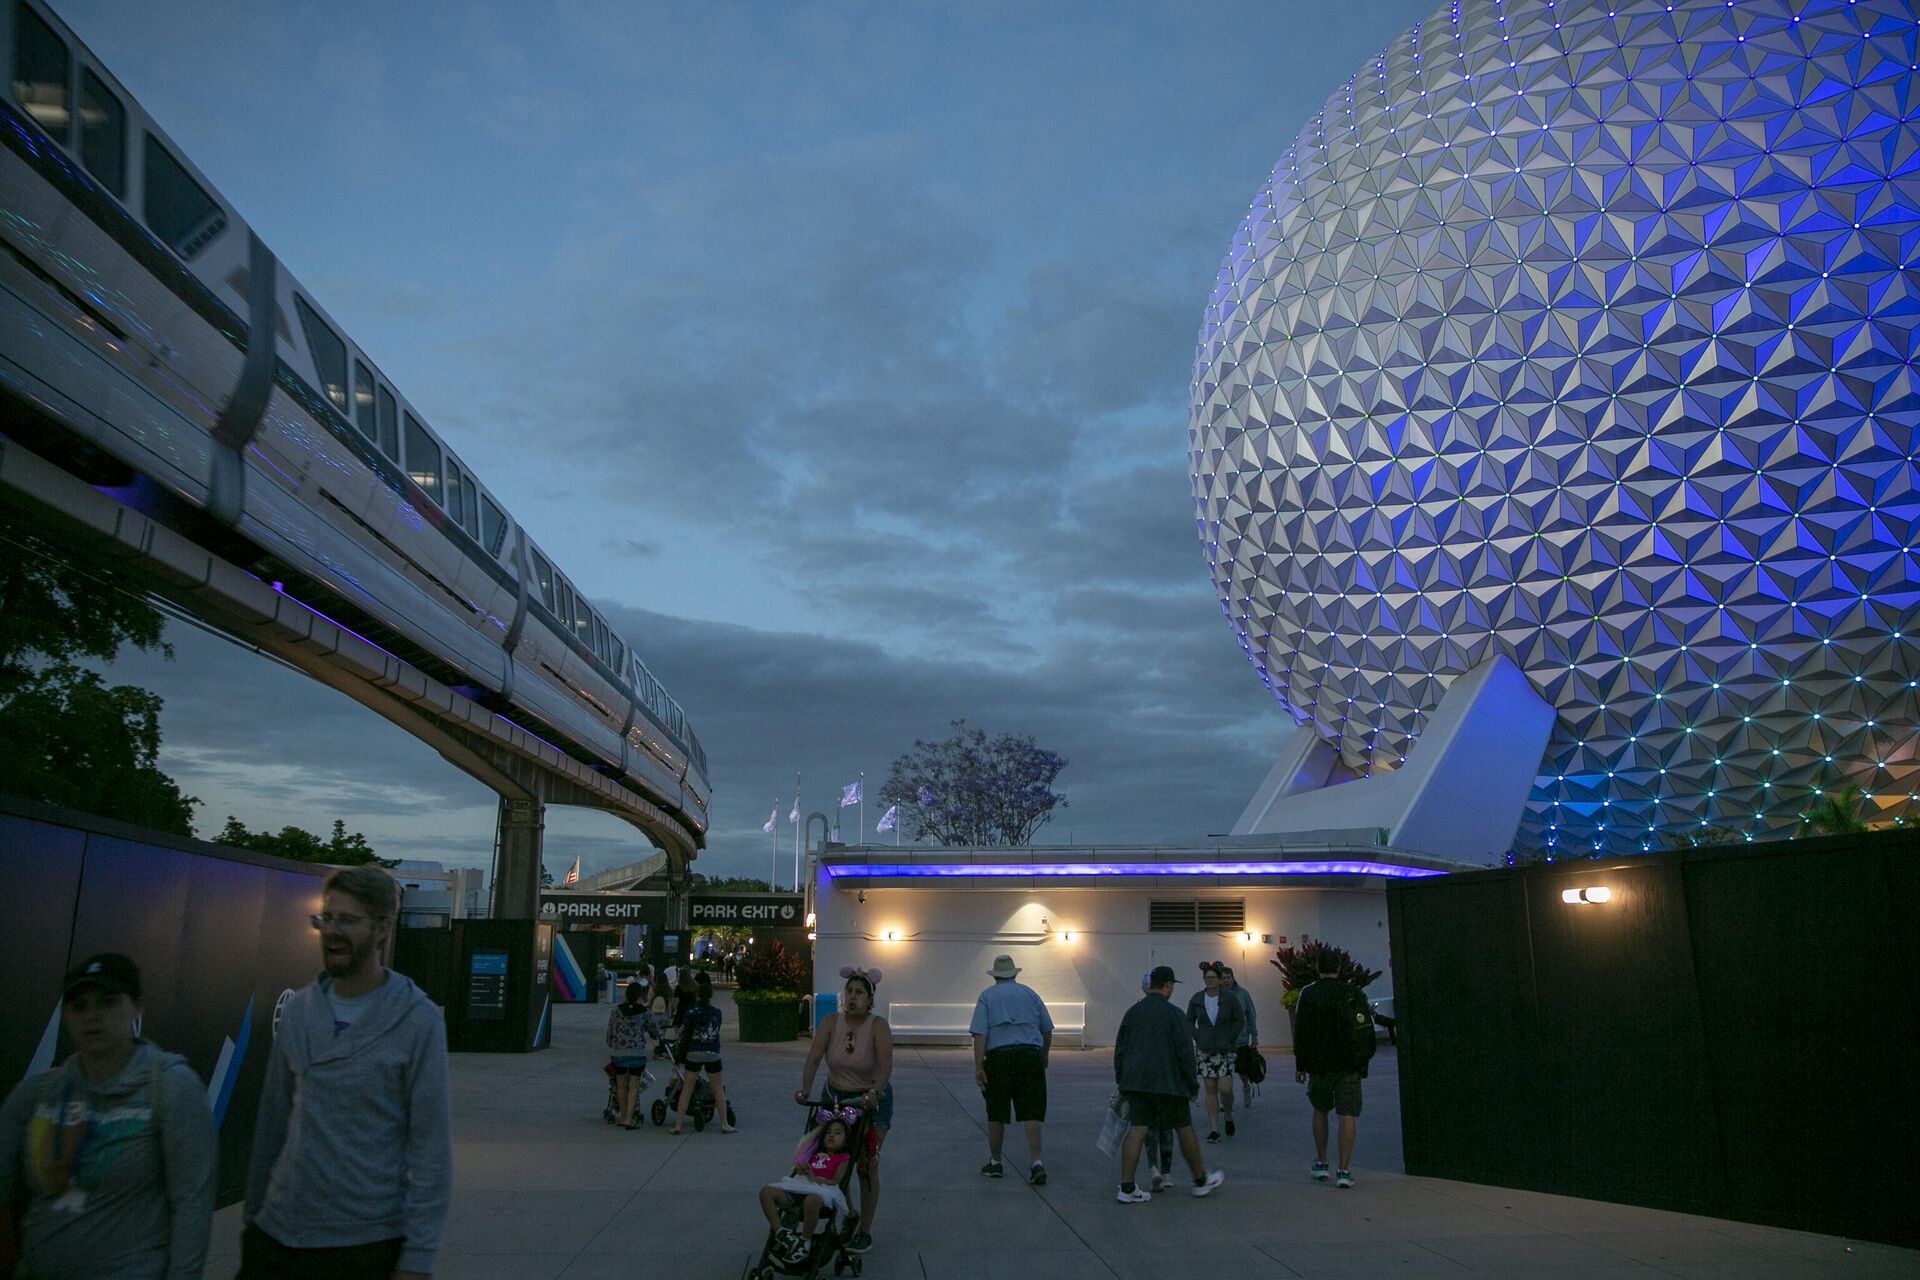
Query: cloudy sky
839	351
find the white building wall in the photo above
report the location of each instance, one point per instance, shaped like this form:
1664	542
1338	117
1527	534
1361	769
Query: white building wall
946	940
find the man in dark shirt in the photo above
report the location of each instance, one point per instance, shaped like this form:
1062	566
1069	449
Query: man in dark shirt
1324	1064
1158	1076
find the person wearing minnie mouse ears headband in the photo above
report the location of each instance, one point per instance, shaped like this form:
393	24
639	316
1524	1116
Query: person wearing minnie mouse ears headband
1217	1021
856	1045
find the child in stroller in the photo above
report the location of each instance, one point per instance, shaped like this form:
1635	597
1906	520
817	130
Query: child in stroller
799	1242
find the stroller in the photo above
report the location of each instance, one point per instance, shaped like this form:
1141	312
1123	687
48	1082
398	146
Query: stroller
612	1112
835	1227
700	1106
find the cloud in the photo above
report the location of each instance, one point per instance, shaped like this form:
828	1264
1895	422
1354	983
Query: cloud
632	548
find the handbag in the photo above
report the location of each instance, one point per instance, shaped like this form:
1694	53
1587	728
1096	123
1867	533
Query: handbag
1113	1130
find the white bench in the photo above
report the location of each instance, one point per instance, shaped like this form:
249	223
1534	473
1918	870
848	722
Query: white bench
947	1023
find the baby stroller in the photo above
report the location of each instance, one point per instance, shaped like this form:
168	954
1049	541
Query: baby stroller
611	1114
835	1227
700	1106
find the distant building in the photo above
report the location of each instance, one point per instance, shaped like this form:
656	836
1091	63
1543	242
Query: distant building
432	896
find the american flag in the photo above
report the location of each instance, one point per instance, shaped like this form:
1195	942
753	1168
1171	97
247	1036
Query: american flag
573	875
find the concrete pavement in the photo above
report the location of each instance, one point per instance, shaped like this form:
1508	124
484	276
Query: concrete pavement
544	1189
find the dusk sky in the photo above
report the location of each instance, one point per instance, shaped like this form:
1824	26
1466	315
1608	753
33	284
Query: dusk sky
839	352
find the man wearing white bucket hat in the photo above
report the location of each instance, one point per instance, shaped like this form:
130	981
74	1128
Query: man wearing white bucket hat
1012	1035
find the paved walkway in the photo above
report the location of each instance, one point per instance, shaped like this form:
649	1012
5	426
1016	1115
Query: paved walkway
545	1189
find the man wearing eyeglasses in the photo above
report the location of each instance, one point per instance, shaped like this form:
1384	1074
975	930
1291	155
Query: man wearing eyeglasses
352	1157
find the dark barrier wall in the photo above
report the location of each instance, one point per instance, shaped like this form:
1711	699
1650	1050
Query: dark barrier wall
220	936
1736	1033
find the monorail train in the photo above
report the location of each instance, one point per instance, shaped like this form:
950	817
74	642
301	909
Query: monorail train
152	344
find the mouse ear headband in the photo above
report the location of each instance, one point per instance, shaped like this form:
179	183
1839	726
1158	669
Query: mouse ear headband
872	976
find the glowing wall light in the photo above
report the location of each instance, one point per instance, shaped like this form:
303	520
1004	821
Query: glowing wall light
1593	894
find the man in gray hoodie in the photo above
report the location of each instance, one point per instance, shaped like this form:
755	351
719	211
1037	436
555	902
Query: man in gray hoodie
352	1156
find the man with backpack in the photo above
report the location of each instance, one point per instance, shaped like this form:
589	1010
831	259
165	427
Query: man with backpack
1333	1040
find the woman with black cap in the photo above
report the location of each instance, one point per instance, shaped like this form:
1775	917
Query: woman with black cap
114	1148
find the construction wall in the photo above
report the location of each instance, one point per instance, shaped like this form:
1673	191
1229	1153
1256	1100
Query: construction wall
221	937
1734	1033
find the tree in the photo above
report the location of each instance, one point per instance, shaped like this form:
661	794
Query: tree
1835	813
969	790
546	877
66	736
303	846
732	884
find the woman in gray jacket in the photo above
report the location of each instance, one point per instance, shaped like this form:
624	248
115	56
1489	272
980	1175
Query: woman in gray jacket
1217	1021
114	1147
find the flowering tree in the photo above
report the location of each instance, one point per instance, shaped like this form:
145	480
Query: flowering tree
972	790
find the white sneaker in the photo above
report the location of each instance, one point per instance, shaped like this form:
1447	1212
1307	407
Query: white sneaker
1214	1179
1136	1196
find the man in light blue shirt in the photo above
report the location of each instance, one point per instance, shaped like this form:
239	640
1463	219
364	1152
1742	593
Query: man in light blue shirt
1012	1035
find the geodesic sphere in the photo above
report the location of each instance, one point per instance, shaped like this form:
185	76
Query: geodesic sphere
1584	332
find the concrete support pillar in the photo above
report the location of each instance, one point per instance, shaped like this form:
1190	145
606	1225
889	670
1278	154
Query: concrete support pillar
516	888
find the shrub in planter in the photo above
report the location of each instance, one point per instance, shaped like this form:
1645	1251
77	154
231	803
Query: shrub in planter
1300	965
772	983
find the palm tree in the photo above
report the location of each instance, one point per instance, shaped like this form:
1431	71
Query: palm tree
1836	813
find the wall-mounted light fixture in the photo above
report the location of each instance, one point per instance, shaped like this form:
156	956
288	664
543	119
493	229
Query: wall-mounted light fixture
1067	936
812	919
1594	893
1247	938
892	936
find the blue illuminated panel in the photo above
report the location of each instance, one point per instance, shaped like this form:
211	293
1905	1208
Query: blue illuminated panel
960	870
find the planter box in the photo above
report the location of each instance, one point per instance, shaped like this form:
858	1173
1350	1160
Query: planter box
761	1023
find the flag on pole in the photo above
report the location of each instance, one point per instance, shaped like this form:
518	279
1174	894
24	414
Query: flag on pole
850	795
889	820
771	819
794	816
573	873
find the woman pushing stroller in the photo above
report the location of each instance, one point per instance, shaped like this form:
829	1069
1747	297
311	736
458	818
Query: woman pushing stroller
817	1183
628	1026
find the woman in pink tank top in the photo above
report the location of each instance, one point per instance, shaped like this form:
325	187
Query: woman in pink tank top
856	1045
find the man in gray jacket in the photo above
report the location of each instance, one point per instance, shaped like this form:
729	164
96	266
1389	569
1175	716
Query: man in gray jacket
352	1157
1154	1066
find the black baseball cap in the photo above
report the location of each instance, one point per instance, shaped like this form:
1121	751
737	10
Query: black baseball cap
1161	976
110	971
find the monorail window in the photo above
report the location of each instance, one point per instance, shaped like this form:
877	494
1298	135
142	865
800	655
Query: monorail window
42	73
493	526
363	411
423	458
543	574
183	215
455	490
467	508
389	425
329	353
103	133
600	639
566	604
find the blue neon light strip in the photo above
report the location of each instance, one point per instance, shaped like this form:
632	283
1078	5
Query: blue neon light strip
961	870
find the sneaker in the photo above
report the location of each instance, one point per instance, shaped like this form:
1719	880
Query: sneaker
1229	1126
797	1254
1343	1179
1205	1187
1320	1172
860	1243
1136	1196
993	1169
1037	1175
1214	1136
727	1128
1162	1182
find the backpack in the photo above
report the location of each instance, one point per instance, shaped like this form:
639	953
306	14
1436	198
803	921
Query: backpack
1355	1036
1248	1062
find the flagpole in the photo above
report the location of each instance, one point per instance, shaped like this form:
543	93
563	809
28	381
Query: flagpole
773	857
797	822
863	806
